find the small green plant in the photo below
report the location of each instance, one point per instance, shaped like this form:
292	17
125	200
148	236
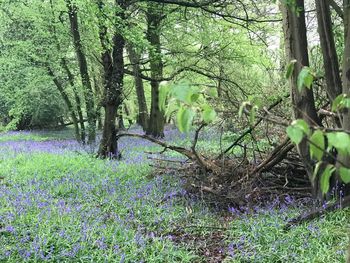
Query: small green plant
187	102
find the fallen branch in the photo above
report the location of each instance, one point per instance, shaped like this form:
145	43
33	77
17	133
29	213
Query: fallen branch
277	155
343	203
207	165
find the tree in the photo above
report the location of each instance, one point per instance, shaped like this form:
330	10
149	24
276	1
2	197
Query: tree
302	99
113	80
330	56
83	67
154	19
134	57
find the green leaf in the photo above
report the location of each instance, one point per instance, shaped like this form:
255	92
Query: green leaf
317	168
184	119
302	125
325	177
308	80
336	104
183	92
194	98
163	94
346	103
317	145
208	115
295	134
290	68
344	174
339	140
171	108
305	78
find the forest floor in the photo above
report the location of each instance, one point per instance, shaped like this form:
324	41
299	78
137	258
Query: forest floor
58	203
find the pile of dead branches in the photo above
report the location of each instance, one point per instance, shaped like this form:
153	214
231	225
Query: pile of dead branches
235	181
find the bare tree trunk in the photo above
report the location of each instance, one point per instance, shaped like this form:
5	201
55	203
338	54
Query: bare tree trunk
98	94
70	76
84	73
67	102
77	99
332	72
330	57
142	117
302	101
120	119
157	120
113	82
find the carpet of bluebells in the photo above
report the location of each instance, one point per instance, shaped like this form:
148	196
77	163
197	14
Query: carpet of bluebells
58	203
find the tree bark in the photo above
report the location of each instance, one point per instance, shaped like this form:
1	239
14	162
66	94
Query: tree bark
142	118
302	101
77	99
84	73
157	120
330	57
120	119
113	83
346	83
332	71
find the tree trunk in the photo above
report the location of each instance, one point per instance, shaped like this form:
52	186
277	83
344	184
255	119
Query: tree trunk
154	17
346	83
120	118
66	101
127	113
77	99
330	57
142	118
99	119
84	73
113	83
332	72
303	102
70	76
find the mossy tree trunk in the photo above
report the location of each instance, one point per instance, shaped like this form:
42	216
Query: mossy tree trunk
113	83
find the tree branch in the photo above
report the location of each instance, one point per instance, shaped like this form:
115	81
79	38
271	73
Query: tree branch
336	8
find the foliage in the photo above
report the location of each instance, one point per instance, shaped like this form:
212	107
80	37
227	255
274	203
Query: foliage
188	101
300	130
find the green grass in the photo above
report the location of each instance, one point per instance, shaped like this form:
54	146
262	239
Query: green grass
261	238
75	208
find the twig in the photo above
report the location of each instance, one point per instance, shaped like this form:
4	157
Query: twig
250	129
